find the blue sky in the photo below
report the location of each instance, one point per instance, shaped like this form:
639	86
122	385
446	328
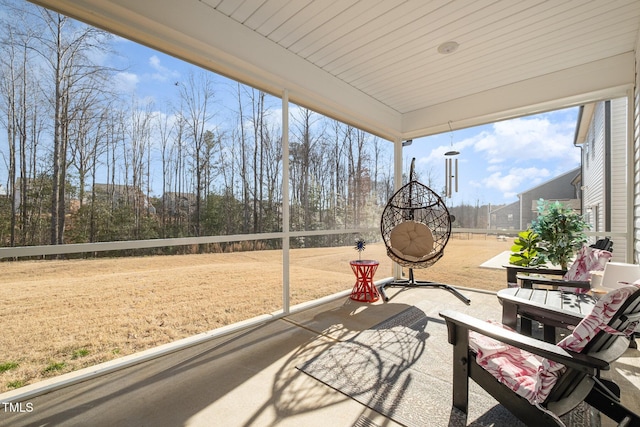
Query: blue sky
497	161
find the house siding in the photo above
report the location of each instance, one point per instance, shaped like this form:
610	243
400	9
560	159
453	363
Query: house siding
619	167
636	158
593	161
506	217
560	189
605	172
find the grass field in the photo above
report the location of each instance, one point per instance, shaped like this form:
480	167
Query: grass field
59	316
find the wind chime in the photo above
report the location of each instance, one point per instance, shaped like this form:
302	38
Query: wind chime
451	169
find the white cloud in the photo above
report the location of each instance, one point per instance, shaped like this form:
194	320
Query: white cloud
519	141
529	140
515	180
126	82
162	73
436	155
500	160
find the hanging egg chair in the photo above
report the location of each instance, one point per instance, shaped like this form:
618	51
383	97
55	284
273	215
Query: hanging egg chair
415	227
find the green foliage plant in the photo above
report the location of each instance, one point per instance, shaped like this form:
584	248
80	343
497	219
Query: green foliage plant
561	231
524	252
54	366
7	366
81	352
15	384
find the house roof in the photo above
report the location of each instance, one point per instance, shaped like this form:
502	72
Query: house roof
376	64
515	204
572	173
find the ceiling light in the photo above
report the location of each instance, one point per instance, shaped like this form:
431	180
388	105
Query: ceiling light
448	47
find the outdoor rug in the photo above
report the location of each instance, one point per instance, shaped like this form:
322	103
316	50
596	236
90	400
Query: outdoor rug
401	368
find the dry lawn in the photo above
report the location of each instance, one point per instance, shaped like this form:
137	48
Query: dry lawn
60	316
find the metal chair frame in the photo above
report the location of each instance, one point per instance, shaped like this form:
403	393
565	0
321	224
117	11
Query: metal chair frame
415	201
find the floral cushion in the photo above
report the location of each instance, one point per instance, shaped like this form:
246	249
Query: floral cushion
587	260
516	368
532	376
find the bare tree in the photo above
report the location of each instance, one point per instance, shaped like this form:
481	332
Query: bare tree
10	81
87	135
272	174
337	180
358	173
100	144
197	96
139	144
165	127
243	162
179	169
64	46
302	149
258	110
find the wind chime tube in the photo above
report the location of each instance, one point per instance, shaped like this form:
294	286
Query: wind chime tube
456	174
446	177
450	175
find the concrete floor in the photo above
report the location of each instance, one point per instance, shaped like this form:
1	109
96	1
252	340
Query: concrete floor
249	378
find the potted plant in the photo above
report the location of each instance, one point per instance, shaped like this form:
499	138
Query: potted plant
524	252
561	231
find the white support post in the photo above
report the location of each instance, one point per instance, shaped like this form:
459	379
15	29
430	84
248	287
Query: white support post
286	291
397	183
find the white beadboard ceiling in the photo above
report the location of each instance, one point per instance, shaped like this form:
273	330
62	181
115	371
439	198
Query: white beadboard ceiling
375	63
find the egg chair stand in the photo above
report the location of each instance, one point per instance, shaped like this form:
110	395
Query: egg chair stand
415	228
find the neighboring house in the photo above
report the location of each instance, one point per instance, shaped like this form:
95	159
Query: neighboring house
601	132
519	215
506	217
179	203
116	194
38	190
564	189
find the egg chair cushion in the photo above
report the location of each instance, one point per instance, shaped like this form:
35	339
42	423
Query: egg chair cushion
412	240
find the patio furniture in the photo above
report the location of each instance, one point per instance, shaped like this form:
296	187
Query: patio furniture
618	274
553	308
364	290
514	270
513	273
578	276
415	228
540	381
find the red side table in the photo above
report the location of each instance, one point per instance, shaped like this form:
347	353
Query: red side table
364	290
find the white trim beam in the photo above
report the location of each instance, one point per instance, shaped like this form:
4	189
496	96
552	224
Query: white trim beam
570	87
